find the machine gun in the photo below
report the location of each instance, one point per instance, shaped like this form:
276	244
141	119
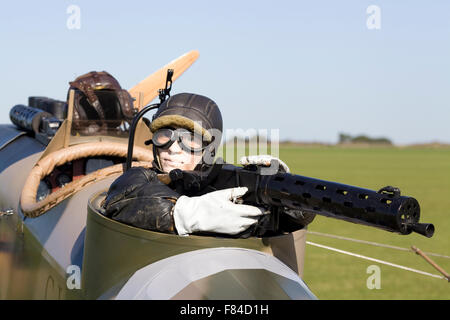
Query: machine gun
385	209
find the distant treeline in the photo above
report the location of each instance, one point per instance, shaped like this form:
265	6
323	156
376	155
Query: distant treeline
347	139
343	139
253	139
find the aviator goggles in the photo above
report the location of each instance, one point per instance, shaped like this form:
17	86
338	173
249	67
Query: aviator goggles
188	141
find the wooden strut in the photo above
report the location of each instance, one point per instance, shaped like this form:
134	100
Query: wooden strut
70	107
438	268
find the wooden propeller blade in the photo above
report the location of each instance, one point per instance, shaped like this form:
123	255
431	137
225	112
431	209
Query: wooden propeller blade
146	90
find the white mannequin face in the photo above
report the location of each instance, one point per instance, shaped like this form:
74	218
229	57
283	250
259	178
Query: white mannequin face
175	157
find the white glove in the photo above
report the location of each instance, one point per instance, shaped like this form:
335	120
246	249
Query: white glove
265	161
215	212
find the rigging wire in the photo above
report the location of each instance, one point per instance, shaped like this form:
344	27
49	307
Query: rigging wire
376	260
372	243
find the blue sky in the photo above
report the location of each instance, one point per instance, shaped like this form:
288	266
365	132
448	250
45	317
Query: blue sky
311	69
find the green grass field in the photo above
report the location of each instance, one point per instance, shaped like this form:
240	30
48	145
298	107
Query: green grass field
421	173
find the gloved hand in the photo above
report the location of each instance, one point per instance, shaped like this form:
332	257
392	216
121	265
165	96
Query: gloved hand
215	212
265	161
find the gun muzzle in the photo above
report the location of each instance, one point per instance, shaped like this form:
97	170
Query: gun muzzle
425	229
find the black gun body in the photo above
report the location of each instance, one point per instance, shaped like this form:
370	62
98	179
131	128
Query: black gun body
349	203
387	211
